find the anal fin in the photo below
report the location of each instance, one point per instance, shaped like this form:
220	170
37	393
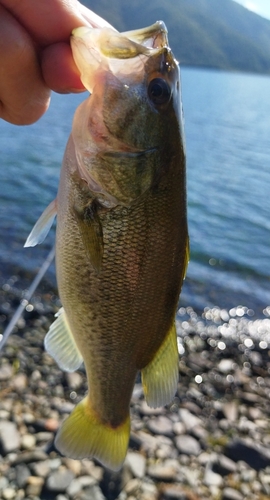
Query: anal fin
60	344
160	376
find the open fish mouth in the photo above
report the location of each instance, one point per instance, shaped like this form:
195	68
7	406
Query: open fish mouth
154	37
94	49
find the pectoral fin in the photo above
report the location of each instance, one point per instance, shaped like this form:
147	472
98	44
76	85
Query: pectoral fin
160	376
91	233
60	344
42	226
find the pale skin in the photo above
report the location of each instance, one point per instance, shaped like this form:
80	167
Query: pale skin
35	55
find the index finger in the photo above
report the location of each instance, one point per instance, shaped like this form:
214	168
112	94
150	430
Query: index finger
51	21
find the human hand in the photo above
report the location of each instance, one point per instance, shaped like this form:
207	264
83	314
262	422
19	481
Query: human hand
35	55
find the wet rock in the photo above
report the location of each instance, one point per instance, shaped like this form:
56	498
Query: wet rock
89	468
188	419
211	478
28	441
3	483
86	481
22	474
224	465
137	463
40	469
161	425
20	382
9	437
94	493
8	493
188	445
59	480
250	398
230	411
176	492
34	486
133	487
167	471
29	456
74	488
6	372
231	494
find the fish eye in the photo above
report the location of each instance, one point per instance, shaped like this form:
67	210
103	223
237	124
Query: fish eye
159	91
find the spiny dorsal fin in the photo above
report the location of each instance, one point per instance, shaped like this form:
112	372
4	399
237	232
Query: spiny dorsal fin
60	344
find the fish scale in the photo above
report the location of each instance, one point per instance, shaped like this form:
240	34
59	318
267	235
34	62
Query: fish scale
121	239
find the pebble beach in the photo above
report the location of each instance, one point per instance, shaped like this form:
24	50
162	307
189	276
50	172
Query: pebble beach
211	443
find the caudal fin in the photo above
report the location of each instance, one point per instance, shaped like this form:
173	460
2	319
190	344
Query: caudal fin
82	435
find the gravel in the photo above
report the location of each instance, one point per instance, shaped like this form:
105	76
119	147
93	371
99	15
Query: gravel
211	442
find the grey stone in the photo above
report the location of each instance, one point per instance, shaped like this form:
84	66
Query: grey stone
188	419
28	441
188	445
29	456
93	493
230	411
59	480
9	437
161	425
74	487
174	492
22	474
40	469
166	471
224	465
231	494
20	382
86	481
6	372
34	486
136	463
211	478
3	483
8	494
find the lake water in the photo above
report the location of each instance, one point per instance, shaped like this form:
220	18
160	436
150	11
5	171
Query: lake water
227	122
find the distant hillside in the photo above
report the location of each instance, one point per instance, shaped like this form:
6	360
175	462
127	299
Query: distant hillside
209	33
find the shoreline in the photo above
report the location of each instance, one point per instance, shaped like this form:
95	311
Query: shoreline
212	442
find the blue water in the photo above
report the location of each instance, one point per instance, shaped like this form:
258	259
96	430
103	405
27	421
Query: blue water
227	122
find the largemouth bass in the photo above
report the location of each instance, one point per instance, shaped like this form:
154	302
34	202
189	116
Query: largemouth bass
121	240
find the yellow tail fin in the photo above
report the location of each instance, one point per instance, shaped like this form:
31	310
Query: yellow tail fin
82	435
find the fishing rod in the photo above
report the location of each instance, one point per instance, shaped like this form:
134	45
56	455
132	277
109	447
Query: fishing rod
16	316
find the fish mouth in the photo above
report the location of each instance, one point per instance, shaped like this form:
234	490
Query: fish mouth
96	50
125	45
154	36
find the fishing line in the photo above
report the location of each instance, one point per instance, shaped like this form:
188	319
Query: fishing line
16	316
